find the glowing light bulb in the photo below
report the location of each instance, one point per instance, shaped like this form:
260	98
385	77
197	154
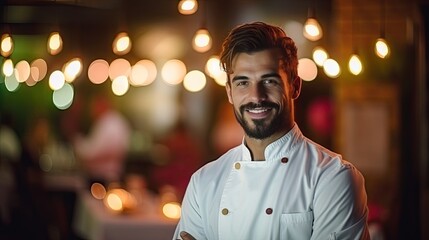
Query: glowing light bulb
6	45
72	69
187	7
331	68
382	49
202	41
319	56
355	65
122	44
55	43
312	29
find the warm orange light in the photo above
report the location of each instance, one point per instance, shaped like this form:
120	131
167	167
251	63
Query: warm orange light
8	67
119	200
202	41
122	44
55	43
312	29
98	71
187	7
355	64
382	49
194	81
6	44
172	210
98	191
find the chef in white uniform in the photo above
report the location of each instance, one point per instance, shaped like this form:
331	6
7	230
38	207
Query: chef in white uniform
277	184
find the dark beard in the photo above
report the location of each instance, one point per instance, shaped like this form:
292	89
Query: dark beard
262	129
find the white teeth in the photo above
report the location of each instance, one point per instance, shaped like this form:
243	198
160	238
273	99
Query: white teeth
259	110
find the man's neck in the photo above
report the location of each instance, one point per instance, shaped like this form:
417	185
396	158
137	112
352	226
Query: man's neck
257	146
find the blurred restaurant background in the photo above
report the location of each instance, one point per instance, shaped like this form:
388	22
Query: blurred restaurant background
107	107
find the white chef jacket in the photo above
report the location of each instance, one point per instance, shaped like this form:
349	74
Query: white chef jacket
300	191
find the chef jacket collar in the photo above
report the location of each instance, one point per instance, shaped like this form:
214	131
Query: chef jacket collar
277	149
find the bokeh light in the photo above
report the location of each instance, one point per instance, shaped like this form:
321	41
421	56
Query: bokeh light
120	85
119	67
119	200
173	71
63	97
121	44
214	70
382	48
355	65
98	191
172	210
202	41
194	81
331	68
55	43
8	67
307	69
187	7
39	69
319	56
72	69
11	83
22	71
143	73
98	71
6	45
56	80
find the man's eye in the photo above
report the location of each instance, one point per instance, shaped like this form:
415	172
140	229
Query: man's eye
270	81
241	83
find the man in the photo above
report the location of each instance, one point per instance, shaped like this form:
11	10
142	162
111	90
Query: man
277	184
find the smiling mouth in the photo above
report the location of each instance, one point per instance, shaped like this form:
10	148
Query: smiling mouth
258	110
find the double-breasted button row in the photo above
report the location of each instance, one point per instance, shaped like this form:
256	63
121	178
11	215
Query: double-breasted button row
268	211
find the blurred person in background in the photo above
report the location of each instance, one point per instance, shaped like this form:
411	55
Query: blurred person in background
101	154
277	184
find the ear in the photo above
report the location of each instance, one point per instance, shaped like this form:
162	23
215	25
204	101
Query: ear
296	87
228	92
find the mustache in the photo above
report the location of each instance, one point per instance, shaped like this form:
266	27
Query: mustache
263	104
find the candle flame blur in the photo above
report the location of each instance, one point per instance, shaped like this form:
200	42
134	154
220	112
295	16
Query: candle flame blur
119	200
172	210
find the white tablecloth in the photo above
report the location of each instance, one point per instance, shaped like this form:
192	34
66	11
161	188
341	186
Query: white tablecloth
93	221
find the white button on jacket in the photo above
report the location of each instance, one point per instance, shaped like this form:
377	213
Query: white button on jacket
301	191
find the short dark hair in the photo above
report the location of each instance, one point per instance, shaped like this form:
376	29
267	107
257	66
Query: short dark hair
257	36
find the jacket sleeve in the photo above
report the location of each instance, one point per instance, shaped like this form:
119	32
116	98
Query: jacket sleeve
191	220
340	205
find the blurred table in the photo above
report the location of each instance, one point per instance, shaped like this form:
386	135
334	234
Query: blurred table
93	221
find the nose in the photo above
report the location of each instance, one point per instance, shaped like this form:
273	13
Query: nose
257	93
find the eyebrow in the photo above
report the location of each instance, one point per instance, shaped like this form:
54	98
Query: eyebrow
268	75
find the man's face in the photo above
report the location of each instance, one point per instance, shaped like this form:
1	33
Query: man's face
261	94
